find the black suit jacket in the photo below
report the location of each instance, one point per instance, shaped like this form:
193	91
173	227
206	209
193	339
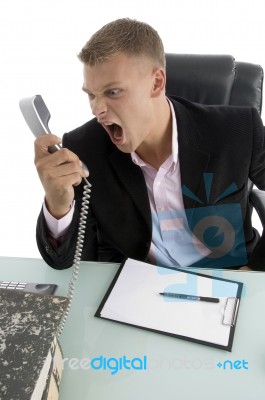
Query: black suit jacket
223	140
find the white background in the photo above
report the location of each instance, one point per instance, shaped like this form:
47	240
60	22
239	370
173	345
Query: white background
39	40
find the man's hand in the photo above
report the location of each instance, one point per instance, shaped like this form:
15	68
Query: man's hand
245	268
58	172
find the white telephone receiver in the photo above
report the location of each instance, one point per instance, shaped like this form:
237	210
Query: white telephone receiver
37	116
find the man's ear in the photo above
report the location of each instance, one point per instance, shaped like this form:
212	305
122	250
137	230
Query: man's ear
159	82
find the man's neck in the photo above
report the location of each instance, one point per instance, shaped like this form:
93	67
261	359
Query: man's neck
156	151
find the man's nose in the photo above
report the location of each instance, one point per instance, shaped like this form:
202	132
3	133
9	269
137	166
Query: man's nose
98	107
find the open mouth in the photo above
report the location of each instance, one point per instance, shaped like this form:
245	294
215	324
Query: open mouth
115	132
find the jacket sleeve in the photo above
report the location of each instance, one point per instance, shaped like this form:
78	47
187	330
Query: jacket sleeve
62	256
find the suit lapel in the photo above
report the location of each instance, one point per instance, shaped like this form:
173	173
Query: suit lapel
133	180
193	162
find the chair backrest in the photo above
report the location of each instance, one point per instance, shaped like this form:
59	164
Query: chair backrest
214	79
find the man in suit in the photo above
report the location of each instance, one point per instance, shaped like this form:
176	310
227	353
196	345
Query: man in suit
169	177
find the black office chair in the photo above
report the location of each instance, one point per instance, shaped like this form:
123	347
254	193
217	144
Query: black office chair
218	79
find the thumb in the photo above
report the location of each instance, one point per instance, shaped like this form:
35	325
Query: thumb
43	143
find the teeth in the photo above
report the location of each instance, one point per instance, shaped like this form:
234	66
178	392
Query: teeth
116	132
116	136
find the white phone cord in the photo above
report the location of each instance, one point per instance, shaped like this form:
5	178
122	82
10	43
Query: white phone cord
78	251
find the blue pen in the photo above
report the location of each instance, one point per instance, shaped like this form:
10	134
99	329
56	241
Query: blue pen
190	297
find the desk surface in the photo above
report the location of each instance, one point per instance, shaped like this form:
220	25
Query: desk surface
175	368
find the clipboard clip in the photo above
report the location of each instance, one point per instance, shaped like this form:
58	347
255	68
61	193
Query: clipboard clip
230	311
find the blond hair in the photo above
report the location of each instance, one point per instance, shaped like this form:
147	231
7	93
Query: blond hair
124	36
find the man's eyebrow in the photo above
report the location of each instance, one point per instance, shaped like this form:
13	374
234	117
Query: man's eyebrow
106	87
85	90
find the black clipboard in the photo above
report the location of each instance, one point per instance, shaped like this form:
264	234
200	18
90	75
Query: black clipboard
230	305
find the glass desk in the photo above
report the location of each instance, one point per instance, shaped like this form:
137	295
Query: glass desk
175	368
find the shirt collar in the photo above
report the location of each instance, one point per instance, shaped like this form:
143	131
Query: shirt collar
138	161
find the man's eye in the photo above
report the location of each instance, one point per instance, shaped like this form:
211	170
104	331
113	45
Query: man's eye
114	92
91	96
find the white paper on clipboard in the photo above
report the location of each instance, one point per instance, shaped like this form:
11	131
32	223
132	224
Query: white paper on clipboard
134	299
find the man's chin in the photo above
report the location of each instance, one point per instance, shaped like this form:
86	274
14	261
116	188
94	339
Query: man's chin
124	148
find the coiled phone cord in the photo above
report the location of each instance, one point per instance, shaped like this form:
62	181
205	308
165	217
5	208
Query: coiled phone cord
78	251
